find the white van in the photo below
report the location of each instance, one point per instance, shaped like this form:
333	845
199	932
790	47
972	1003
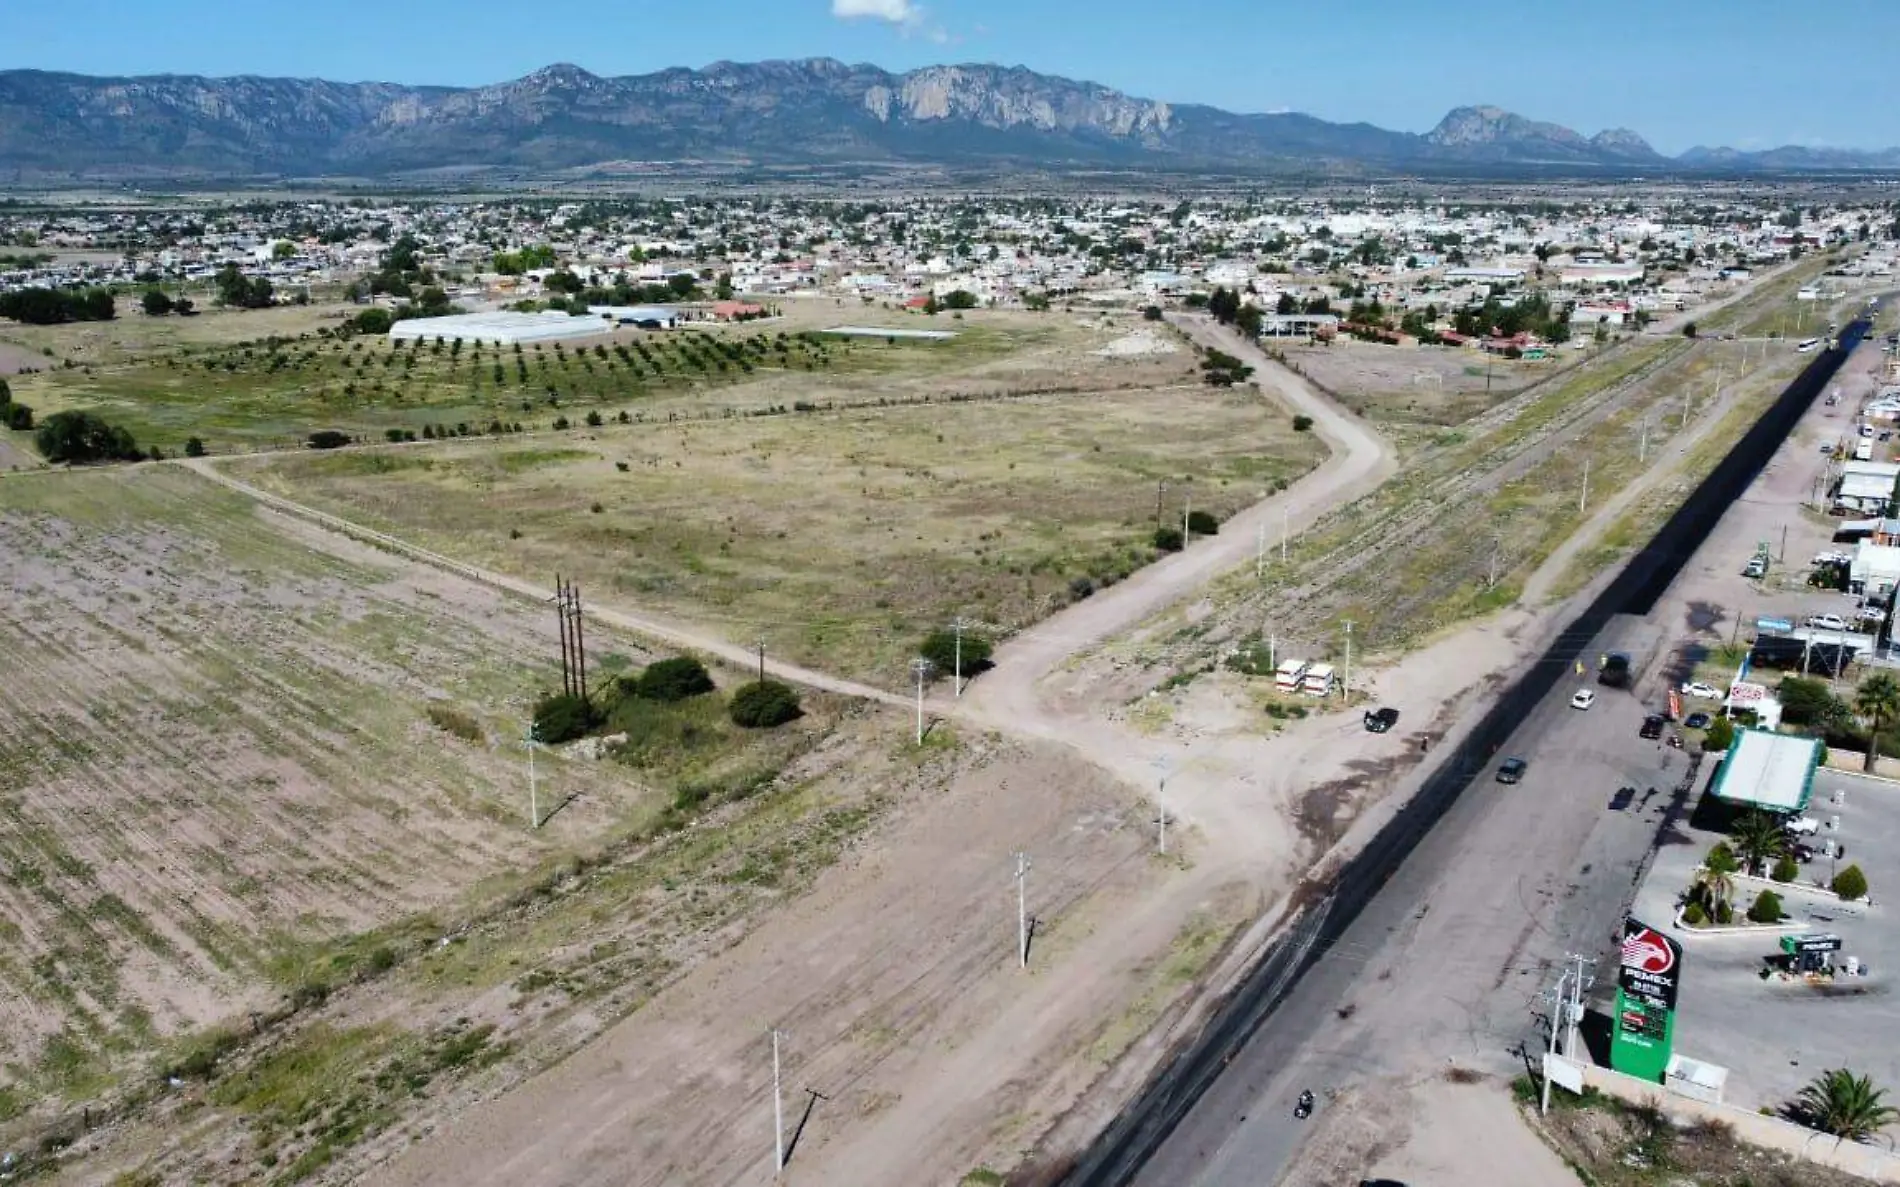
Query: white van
1808	346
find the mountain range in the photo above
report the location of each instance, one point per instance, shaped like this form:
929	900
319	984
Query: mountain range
809	112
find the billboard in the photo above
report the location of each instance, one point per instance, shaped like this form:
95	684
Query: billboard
1648	972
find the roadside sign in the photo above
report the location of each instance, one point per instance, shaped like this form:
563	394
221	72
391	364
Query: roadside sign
1647	976
1773	624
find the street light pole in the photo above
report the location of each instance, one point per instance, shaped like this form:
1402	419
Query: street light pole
957	676
921	667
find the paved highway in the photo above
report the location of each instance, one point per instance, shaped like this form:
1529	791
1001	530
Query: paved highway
1447	962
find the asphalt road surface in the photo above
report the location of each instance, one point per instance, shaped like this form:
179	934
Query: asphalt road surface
1446	963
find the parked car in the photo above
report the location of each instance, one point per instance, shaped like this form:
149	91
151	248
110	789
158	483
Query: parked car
1585	698
1511	770
1378	721
1755	568
1652	726
1827	622
1803	826
1696	721
1622	798
1707	692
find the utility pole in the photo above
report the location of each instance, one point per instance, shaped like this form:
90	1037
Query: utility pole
1556	999
1781	558
1642	444
1260	552
957	675
1161	490
921	668
1496	545
1345	684
534	794
778	1112
1580	982
1022	909
761	659
1161	816
1187	504
1583	496
1284	533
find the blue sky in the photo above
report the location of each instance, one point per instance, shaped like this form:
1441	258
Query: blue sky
1748	73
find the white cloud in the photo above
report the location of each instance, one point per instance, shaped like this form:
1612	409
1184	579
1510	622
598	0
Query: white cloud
897	12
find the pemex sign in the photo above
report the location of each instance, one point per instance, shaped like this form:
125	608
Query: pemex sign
1647	975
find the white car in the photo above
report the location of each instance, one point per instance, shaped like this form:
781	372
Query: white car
1585	698
1707	692
1827	622
1804	826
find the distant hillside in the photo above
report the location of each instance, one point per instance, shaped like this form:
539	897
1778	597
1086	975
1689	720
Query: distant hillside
817	111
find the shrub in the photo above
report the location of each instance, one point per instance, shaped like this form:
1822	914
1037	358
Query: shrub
1694	915
560	422
328	439
454	721
1724	913
562	717
1151	313
1168	539
373	321
1202	523
593	420
674	679
18	416
83	437
1785	870
1766	908
940	648
1720	735
763	704
1850	883
392	434
194	447
1302	424
1081	587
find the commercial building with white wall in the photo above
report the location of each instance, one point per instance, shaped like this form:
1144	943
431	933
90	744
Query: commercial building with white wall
500	329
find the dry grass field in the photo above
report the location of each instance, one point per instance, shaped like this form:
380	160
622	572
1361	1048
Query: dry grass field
222	788
1417	385
839	537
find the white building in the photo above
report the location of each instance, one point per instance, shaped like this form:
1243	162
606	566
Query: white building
501	329
1875	568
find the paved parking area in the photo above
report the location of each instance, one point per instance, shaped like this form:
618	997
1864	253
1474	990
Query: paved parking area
1774	1036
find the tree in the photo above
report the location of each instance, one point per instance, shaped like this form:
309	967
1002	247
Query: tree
243	292
1845	1105
1287	304
1151	313
1785	869
1766	908
1037	302
763	704
1810	703
1302	424
674	679
683	284
374	320
328	439
1167	539
155	303
563	716
940	648
194	447
184	307
1715	880
1688	330
1758	838
1719	736
1850	884
1878	700
82	437
1202	523
1247	321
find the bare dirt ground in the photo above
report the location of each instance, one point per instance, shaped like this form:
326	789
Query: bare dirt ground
1437	385
1423	1134
15	359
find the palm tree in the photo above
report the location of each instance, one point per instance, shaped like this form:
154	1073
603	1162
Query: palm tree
1845	1105
1759	837
1715	881
1878	700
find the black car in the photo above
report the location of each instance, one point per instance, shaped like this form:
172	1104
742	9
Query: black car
1696	721
1652	726
1511	770
1380	720
1622	798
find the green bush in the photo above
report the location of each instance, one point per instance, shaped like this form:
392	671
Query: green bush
763	704
1694	915
674	679
1850	883
194	447
940	648
328	439
1168	539
1302	424
1724	913
562	717
1766	908
83	437
376	320
1720	735
456	722
1785	870
1202	523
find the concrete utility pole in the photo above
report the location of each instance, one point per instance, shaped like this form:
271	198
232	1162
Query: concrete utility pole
1260	552
778	1113
920	667
1580	981
1497	544
1555	998
1642	444
1022	909
1161	820
1187	505
1161	491
761	660
1345	683
534	798
1583	496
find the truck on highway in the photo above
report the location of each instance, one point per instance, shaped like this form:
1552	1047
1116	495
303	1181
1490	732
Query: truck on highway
1614	671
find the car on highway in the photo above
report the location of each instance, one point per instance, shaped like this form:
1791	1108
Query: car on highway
1378	721
1622	798
1827	622
1705	692
1652	726
1511	770
1585	698
1696	721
